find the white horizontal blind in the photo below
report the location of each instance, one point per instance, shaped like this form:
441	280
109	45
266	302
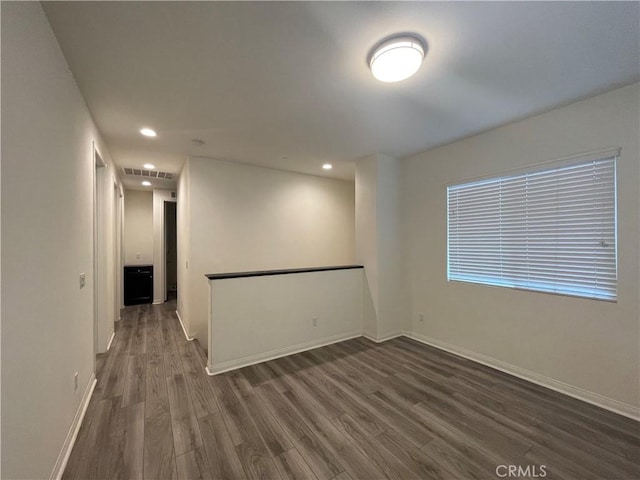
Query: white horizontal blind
551	230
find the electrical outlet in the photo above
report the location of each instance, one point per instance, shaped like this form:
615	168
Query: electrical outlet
83	280
138	256
314	321
421	317
75	382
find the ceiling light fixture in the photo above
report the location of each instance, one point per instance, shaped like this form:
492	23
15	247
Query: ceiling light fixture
146	183
327	166
147	132
149	166
397	58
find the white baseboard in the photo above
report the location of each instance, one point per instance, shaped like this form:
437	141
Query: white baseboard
157	302
281	352
63	458
113	334
183	329
369	336
593	398
383	338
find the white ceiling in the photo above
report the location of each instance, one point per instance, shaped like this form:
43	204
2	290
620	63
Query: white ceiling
286	85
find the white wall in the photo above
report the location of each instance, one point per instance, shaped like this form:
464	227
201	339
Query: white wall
259	318
393	288
184	243
366	237
592	346
138	227
379	246
47	241
252	218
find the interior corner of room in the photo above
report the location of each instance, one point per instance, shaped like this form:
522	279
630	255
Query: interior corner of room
261	219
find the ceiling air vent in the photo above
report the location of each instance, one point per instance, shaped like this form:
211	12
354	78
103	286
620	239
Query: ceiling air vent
137	172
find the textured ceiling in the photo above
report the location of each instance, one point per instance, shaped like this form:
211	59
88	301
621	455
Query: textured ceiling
286	85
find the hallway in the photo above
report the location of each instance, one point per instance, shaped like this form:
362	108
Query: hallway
150	383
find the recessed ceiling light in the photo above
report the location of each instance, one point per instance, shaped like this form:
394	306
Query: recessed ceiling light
397	58
147	132
327	166
146	183
149	166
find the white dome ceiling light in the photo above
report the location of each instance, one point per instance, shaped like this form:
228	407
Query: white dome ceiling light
148	132
397	58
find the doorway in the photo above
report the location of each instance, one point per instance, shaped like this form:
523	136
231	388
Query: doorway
171	251
99	251
118	254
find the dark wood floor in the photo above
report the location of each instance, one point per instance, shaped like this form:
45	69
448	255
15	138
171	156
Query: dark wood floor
353	410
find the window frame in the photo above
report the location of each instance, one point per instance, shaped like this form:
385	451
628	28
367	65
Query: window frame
557	163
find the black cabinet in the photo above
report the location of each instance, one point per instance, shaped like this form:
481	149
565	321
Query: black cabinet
138	284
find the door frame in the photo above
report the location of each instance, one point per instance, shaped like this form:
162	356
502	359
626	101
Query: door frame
164	245
98	204
159	258
118	251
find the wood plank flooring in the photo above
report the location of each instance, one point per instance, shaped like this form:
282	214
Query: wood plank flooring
352	410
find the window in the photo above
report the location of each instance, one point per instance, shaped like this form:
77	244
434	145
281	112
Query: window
551	229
